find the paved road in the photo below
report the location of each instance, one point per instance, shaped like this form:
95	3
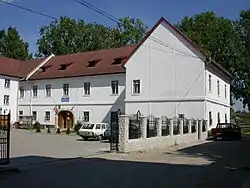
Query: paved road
30	147
213	164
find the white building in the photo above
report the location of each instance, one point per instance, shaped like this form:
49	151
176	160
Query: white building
165	75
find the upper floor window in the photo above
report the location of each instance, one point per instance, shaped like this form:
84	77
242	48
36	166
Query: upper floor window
20	115
218	87
136	87
225	91
35	89
114	87
48	90
210	118
7	83
21	92
65	89
6	100
225	118
209	83
86	88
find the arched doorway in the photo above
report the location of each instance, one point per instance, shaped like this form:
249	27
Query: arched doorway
65	119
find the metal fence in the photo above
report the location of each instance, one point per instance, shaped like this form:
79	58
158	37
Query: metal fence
151	127
176	126
134	127
4	139
193	127
185	126
165	129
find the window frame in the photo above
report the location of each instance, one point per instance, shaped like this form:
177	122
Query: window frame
48	89
138	84
210	83
45	116
88	112
35	91
65	90
114	87
6	98
21	92
86	88
7	83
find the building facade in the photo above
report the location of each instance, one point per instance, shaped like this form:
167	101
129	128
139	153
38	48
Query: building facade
166	74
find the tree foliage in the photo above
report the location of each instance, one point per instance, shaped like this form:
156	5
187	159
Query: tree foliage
225	41
12	46
67	36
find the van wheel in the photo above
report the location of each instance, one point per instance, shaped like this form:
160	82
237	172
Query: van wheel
99	138
85	139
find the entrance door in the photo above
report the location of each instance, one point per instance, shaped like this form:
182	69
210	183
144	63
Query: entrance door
65	119
114	135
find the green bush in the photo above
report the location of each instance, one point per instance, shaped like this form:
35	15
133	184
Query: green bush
77	126
68	131
37	126
58	131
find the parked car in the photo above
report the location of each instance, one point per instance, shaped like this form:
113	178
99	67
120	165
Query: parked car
226	131
93	130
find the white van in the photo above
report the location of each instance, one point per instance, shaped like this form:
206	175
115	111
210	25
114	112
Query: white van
93	130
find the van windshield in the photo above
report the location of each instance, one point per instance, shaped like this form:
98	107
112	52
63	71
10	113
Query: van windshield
88	126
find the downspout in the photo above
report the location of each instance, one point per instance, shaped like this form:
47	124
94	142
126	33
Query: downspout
175	85
149	80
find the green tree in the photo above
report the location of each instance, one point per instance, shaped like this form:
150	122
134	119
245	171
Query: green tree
67	36
243	87
220	38
12	46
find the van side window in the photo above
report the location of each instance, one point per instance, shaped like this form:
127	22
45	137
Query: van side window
103	126
98	126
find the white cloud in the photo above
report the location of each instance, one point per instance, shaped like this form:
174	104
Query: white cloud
8	1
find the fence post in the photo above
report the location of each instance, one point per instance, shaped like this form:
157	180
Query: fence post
171	127
144	121
190	126
123	132
158	127
181	126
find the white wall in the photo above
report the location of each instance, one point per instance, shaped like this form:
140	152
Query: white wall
217	103
12	92
100	102
166	78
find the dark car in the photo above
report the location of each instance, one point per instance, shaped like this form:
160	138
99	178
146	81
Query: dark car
226	131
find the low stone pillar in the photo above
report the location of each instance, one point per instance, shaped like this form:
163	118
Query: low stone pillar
123	132
181	126
189	126
144	121
171	127
158	127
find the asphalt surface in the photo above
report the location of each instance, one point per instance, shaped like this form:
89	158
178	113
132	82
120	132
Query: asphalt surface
212	164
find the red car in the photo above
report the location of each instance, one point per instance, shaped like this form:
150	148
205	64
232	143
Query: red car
226	131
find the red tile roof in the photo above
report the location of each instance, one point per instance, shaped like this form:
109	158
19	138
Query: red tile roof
77	64
17	68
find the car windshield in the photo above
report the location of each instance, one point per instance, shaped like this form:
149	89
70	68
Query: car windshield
88	126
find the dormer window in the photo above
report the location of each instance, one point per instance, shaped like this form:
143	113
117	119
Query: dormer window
118	60
64	66
92	63
44	68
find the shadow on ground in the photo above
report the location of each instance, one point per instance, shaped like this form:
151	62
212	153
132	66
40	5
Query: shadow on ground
97	172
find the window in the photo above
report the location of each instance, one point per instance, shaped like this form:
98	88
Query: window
86	116
6	100
218	87
65	89
209	83
181	116
47	116
225	91
20	115
86	88
98	126
48	90
34	115
35	88
225	118
103	126
136	86
114	87
210	119
21	92
218	117
7	83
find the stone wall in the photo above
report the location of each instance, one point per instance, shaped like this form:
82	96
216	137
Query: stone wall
143	133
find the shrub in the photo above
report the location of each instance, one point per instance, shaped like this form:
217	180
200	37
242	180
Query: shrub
68	131
37	126
77	126
58	131
48	130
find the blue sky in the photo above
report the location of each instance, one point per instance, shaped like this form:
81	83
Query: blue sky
149	11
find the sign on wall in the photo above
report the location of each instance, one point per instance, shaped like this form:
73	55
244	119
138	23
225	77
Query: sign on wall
65	99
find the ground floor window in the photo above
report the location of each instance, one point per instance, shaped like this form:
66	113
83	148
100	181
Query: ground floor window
47	116
86	116
34	115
